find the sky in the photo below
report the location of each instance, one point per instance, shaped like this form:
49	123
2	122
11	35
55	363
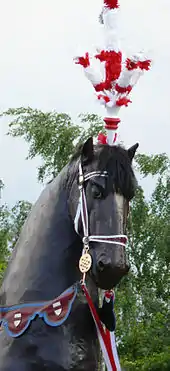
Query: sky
38	41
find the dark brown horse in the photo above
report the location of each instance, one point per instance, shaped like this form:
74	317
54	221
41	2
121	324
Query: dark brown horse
45	261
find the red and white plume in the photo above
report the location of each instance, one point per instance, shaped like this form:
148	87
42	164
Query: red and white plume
112	76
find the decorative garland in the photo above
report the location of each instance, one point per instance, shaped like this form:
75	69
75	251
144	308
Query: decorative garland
113	77
17	319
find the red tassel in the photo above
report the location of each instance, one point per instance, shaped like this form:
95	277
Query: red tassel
131	65
123	89
111	4
145	65
102	139
123	102
83	61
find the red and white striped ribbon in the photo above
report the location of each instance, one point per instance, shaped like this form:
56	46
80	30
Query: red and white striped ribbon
106	338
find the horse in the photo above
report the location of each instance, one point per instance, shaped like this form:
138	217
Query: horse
45	260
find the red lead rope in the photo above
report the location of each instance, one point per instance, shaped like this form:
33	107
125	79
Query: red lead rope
106	338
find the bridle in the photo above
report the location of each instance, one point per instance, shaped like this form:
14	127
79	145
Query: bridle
82	213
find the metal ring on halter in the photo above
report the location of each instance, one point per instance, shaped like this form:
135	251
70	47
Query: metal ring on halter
86	241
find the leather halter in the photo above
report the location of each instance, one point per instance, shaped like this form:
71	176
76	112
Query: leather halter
82	213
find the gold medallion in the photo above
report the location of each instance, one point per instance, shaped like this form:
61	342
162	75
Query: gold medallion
85	263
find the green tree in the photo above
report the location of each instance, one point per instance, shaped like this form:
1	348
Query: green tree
142	305
11	222
142	298
18	215
1	186
51	135
4	236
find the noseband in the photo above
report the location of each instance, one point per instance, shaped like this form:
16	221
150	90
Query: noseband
82	213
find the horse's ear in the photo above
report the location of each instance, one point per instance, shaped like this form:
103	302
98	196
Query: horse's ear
132	151
88	150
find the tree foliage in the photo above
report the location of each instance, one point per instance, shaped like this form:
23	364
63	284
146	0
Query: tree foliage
4	236
51	135
11	222
142	298
142	305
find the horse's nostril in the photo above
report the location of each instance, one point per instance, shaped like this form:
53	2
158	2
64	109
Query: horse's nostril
101	265
104	264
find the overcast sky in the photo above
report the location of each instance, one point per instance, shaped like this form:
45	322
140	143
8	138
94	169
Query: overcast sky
38	40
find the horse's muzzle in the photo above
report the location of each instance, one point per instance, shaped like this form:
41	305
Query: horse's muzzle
111	265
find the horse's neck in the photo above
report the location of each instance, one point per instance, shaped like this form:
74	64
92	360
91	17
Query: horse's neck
68	243
45	260
49	250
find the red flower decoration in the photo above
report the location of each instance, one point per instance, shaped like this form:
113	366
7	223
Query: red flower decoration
109	56
83	61
145	65
123	102
131	65
123	89
113	66
111	4
105	97
106	85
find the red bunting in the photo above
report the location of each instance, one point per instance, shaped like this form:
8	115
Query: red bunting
16	319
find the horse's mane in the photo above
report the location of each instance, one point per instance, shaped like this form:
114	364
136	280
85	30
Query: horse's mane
114	160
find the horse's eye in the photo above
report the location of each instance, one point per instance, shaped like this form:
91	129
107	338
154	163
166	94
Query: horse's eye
97	193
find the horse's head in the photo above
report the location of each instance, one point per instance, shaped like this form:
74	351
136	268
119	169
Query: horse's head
106	183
